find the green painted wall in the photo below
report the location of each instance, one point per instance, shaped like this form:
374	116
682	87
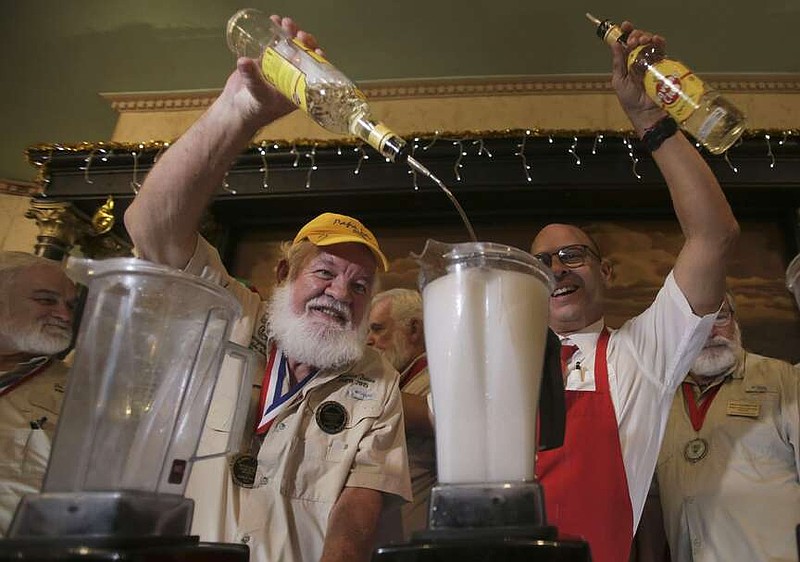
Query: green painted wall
58	55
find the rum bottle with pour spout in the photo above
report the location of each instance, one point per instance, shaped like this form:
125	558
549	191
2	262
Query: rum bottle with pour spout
309	81
698	109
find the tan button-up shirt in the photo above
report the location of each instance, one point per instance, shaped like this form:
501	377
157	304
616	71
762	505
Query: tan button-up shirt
301	468
741	501
25	439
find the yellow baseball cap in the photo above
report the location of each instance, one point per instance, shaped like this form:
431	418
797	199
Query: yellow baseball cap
330	228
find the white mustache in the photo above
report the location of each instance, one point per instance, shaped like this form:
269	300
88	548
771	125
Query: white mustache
59	324
330	304
718	341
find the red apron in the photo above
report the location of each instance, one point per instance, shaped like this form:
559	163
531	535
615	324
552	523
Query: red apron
585	487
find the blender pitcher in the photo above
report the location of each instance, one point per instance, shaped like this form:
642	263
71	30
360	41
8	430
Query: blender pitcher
486	316
492	361
147	360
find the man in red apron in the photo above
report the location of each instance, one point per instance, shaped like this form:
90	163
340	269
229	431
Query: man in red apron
620	383
395	328
36	304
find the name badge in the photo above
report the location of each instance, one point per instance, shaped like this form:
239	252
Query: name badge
744	409
756	388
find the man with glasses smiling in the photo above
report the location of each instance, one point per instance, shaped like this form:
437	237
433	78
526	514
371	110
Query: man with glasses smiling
620	383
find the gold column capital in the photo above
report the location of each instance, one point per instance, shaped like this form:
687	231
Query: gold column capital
63	226
59	227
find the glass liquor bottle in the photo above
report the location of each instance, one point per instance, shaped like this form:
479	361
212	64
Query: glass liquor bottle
310	82
699	110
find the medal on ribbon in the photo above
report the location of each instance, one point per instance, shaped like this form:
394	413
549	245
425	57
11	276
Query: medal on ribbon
696	449
272	398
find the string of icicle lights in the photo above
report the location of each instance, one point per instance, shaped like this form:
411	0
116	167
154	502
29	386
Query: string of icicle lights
465	146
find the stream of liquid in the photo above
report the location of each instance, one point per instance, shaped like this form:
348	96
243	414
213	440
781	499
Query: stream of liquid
416	166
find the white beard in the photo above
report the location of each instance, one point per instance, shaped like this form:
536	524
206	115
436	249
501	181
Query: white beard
399	354
37	338
319	343
719	356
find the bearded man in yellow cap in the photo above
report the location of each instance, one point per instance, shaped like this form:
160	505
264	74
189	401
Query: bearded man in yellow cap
325	450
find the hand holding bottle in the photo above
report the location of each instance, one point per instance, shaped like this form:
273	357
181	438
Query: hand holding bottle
638	106
250	95
692	105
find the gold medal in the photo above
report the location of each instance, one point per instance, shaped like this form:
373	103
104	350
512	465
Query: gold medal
695	450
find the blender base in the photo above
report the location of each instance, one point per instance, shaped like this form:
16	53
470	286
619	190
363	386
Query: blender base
496	549
108	549
497	521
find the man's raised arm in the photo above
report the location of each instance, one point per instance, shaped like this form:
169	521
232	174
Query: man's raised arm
164	218
706	220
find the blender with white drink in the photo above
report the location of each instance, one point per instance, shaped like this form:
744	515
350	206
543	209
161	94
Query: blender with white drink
493	363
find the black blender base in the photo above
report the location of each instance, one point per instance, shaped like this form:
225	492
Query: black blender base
496	550
108	549
512	544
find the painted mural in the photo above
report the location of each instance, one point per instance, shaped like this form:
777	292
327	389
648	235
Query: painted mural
642	253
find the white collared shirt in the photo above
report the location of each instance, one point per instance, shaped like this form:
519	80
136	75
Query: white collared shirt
648	358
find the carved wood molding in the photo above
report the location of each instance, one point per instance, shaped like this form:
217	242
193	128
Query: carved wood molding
22	188
188	100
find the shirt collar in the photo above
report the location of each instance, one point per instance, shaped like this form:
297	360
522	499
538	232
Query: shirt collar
411	365
29	365
585	338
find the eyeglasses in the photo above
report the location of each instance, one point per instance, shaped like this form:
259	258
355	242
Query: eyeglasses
570	256
724	317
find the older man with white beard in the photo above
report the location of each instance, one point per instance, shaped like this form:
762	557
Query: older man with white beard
729	468
36	306
396	329
325	452
324	455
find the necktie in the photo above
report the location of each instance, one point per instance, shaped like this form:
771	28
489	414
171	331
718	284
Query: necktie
567	351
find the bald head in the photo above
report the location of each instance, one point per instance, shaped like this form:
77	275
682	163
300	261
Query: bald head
578	298
565	233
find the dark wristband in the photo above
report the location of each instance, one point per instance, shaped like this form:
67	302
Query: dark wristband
655	136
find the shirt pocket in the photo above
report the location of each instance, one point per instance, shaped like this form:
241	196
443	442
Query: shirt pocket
48	402
319	462
759	438
24	460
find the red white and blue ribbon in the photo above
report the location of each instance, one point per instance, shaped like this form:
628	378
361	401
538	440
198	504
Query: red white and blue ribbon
272	398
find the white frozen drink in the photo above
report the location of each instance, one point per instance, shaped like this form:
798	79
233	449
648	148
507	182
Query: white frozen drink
485	333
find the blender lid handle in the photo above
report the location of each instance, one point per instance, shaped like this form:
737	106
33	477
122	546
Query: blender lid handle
552	407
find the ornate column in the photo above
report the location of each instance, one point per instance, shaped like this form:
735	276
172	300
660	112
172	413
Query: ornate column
62	226
59	227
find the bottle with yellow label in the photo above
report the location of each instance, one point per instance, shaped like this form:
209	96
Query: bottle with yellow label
699	110
310	82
